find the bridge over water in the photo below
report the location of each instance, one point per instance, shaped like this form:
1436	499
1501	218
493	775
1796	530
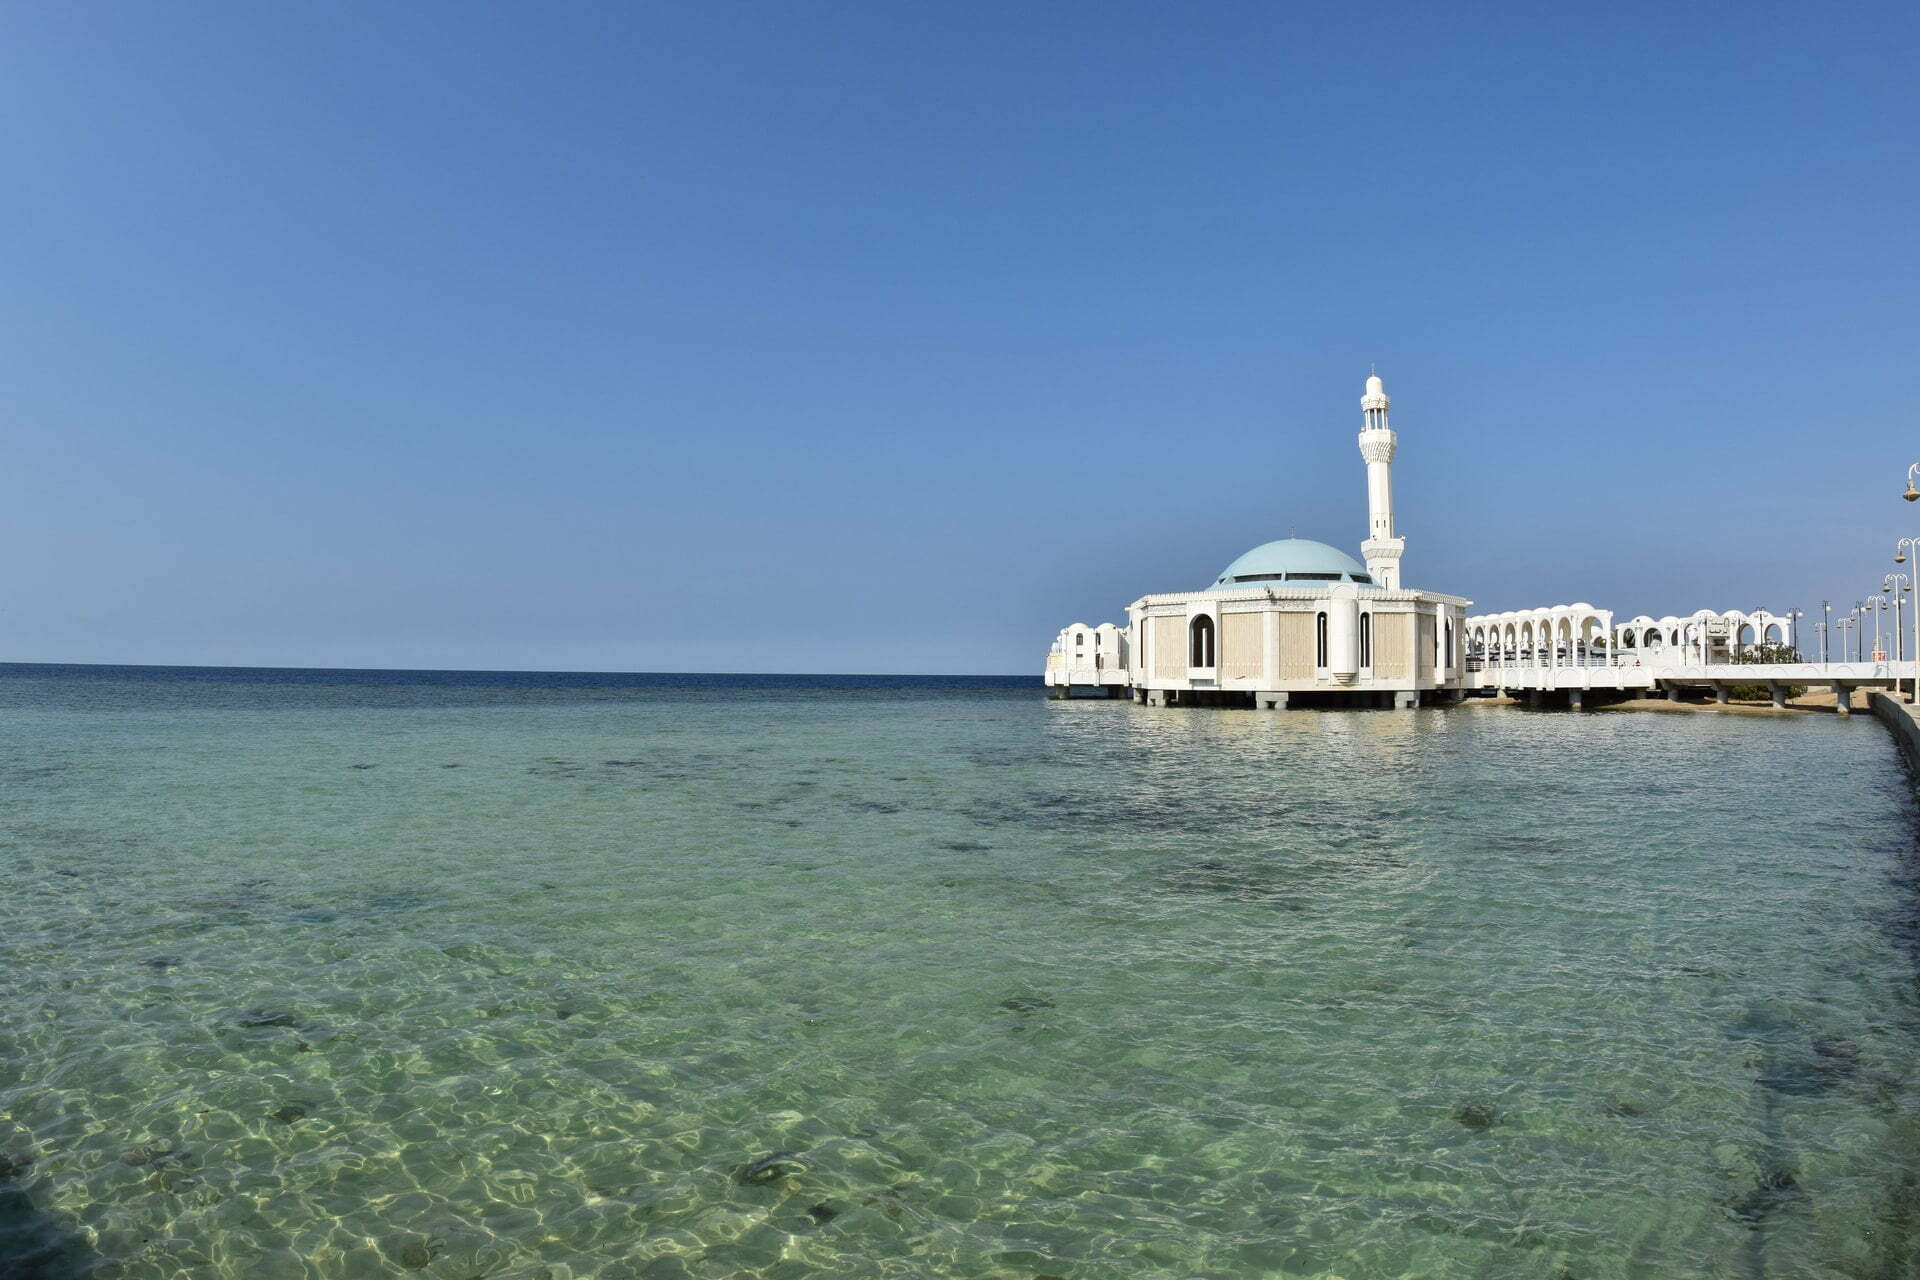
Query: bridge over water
1576	649
1639	675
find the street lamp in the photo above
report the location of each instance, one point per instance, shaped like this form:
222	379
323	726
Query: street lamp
1897	585
1826	625
1793	630
1820	629
1875	605
1901	550
1846	631
1912	493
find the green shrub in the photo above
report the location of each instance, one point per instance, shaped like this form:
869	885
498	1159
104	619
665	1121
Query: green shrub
1766	653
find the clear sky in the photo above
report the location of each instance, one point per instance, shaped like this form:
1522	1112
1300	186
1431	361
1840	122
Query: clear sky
889	337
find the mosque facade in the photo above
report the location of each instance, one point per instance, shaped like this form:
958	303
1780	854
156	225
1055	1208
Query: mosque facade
1290	623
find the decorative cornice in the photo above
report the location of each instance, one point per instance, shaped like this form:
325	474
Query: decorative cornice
1378	446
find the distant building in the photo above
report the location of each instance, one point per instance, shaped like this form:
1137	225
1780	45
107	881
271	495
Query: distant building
1289	623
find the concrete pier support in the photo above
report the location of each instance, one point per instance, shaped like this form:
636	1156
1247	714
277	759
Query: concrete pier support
1534	698
1156	698
1577	699
1406	699
1719	693
1673	693
1271	699
1842	699
1779	694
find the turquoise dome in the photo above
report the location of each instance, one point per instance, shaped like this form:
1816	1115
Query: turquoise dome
1294	562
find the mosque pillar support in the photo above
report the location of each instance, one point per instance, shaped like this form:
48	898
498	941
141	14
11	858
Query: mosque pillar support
1406	699
1842	699
1673	693
1576	699
1271	700
1779	694
1720	692
1534	697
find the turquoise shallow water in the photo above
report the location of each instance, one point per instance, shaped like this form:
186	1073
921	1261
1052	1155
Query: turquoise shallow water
359	975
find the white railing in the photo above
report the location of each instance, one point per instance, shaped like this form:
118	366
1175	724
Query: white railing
1541	662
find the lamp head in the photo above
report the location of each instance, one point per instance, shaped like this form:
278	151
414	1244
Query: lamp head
1901	558
1912	494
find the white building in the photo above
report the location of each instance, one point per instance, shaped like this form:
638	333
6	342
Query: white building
1290	622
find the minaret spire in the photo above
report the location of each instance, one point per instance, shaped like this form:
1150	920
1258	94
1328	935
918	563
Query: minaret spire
1381	550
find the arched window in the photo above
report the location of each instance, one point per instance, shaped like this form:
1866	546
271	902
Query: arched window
1200	636
1366	640
1320	640
1449	661
1079	638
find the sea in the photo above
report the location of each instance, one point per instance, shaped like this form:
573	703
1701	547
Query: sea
481	975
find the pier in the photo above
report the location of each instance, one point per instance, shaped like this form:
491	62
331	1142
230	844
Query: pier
1630	675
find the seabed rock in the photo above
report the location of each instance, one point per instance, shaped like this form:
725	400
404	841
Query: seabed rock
1474	1115
289	1113
12	1167
412	1252
1775	1189
822	1214
767	1169
148	1153
1026	1004
1837	1057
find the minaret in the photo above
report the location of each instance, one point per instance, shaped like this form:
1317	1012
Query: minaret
1381	550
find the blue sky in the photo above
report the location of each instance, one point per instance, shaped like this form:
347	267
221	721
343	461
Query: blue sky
840	337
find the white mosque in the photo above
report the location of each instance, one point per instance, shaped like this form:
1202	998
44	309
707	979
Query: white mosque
1289	623
1295	623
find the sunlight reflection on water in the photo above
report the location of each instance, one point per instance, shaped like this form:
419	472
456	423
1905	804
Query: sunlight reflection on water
463	979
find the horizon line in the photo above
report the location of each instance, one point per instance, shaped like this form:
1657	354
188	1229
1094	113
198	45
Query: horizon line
522	671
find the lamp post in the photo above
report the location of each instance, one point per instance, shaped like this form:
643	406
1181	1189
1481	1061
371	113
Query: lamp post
1846	632
1826	625
1901	550
1793	630
1897	585
1912	493
1875	605
1820	629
